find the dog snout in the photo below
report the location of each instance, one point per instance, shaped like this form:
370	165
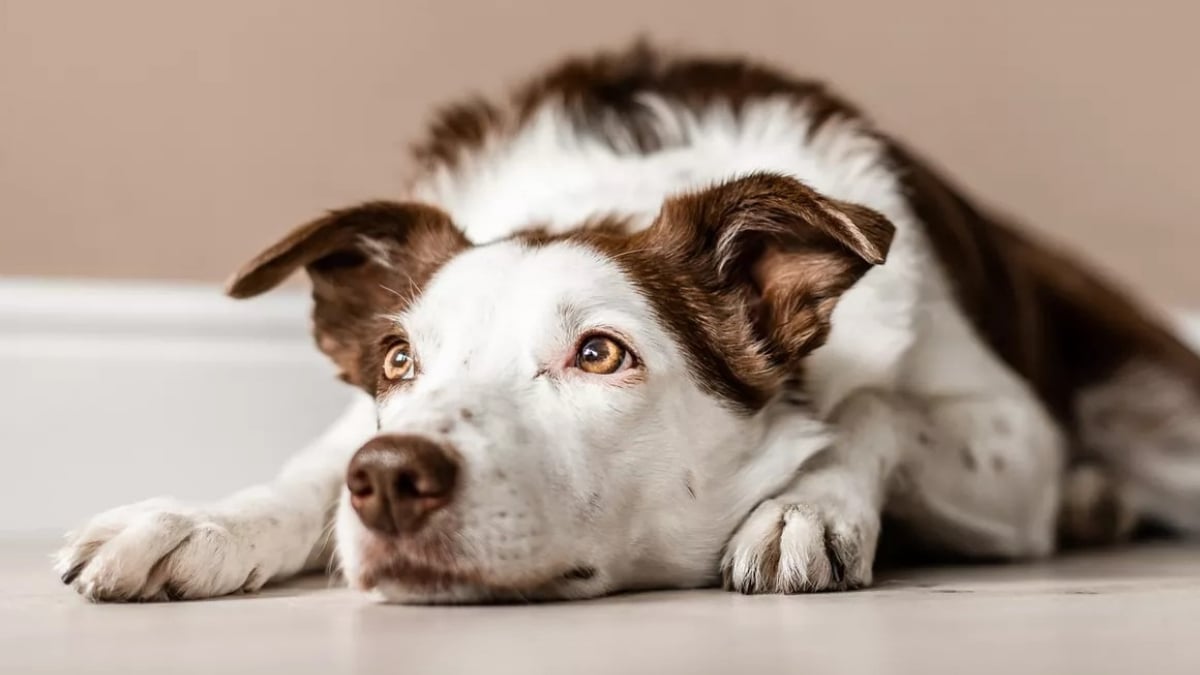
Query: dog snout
397	481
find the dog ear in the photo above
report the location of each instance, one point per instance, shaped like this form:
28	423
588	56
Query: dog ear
786	250
365	262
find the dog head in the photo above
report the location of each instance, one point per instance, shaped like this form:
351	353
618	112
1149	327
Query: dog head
566	415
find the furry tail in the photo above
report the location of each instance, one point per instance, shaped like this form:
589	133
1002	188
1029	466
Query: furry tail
1143	424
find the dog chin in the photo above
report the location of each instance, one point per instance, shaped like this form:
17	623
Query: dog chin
575	584
459	593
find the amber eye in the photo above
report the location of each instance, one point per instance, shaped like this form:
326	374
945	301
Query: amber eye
601	355
398	364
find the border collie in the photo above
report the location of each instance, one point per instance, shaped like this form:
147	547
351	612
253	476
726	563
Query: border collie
675	322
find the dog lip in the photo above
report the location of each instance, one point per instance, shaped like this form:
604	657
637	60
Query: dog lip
425	577
415	575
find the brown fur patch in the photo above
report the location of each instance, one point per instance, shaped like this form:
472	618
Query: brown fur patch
1054	320
745	275
456	130
604	95
366	262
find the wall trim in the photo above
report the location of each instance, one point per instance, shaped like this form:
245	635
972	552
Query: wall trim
114	311
160	388
117	391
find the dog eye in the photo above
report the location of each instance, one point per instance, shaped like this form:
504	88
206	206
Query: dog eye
398	364
601	355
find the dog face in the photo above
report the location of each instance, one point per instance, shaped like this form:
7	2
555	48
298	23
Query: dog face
567	415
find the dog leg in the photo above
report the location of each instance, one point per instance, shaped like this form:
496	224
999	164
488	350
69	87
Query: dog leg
1095	510
820	533
161	549
982	478
985	459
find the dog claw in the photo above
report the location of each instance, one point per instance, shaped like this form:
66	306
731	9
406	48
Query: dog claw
72	574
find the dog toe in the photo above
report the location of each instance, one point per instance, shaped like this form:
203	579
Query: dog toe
798	548
159	553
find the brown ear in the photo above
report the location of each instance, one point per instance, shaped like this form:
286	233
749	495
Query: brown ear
366	262
787	250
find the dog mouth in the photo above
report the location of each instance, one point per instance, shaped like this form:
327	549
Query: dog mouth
436	566
416	575
406	580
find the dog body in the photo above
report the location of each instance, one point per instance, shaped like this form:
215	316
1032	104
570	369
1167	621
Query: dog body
634	329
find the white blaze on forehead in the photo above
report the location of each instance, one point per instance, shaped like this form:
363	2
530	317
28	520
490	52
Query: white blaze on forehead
510	305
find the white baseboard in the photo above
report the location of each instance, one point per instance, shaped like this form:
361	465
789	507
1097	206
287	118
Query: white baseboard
113	392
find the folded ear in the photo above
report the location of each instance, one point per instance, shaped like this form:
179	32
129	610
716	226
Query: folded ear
786	250
366	262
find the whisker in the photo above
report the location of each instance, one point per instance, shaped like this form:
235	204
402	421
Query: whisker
393	291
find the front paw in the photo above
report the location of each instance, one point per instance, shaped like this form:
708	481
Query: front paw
800	548
158	550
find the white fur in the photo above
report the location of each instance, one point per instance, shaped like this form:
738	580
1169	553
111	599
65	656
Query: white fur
563	470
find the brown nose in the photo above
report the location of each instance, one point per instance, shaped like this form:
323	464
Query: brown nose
396	481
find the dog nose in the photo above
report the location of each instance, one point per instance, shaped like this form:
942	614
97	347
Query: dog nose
396	481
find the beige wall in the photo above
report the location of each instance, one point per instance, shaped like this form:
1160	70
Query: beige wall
170	139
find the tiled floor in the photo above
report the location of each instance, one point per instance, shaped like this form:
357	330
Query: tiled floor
1132	612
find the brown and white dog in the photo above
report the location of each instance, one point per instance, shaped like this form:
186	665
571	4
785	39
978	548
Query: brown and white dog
633	328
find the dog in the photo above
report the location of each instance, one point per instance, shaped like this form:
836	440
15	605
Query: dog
661	321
